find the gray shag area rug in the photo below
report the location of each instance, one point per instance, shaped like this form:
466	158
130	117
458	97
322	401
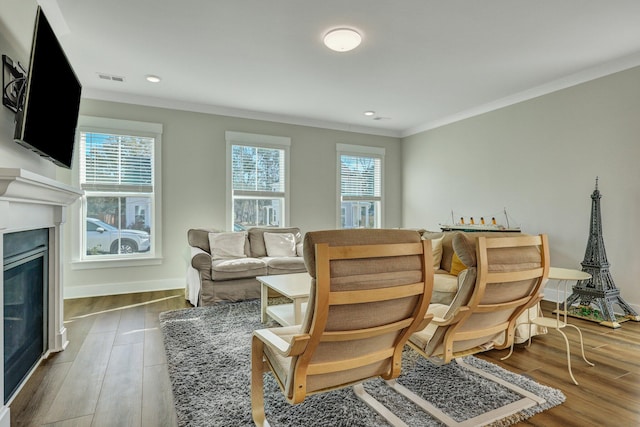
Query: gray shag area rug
209	360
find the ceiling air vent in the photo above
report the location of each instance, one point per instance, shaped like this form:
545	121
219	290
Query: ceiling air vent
104	76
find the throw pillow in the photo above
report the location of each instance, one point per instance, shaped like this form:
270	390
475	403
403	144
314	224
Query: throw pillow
227	245
465	247
436	251
280	244
456	265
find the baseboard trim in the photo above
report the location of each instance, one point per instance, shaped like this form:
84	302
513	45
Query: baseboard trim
5	417
84	291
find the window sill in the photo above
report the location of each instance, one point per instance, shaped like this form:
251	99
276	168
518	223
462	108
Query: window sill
114	263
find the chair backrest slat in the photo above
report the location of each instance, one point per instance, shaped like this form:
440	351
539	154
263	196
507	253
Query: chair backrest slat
373	295
347	364
359	334
375	251
513	276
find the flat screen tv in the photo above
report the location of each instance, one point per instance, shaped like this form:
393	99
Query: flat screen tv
47	119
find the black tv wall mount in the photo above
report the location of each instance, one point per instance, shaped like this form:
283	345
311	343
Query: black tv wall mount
13	83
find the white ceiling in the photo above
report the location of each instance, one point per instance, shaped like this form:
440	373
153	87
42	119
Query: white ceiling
422	63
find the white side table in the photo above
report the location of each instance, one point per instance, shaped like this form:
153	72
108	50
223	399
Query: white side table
563	276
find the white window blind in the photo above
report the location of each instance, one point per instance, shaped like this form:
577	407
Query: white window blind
258	171
116	162
360	186
360	177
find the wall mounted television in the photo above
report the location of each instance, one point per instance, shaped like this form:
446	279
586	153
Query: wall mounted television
47	117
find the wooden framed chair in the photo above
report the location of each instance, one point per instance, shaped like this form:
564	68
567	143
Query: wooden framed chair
504	277
370	291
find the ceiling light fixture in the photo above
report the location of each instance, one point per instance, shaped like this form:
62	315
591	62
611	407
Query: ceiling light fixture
369	113
153	79
342	39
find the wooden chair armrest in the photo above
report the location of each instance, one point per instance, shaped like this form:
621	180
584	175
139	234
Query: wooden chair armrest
423	324
454	319
286	349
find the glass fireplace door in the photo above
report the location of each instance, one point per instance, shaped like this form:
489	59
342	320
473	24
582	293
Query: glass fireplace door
25	317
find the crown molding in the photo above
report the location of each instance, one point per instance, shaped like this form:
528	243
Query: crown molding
575	79
148	101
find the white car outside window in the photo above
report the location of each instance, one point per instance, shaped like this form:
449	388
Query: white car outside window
103	238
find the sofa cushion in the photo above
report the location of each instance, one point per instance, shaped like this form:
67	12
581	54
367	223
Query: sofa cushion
256	238
447	251
445	283
280	244
227	245
199	238
465	248
237	268
436	251
456	265
283	265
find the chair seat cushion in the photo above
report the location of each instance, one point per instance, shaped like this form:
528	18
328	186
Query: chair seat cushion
237	268
281	265
421	338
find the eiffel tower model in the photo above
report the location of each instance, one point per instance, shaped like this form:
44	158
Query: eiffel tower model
600	290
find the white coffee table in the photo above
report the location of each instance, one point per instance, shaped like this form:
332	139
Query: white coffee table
296	287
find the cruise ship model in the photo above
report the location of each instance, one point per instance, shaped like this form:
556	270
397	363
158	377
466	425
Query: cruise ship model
482	224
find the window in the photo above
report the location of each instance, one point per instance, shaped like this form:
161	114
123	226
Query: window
258	180
360	181
119	166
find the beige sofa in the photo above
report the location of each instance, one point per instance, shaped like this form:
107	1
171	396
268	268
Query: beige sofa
224	265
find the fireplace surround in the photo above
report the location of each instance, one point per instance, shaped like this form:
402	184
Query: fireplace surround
29	201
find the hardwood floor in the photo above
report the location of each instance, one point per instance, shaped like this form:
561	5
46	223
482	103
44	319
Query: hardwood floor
113	373
609	392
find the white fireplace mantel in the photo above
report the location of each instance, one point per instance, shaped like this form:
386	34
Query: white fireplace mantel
31	201
24	186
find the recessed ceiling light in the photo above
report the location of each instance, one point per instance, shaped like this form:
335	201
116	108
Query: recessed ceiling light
369	113
342	39
153	79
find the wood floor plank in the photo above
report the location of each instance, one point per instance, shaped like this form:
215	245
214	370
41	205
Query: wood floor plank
74	422
39	393
157	398
120	402
80	390
154	353
106	321
131	326
76	335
